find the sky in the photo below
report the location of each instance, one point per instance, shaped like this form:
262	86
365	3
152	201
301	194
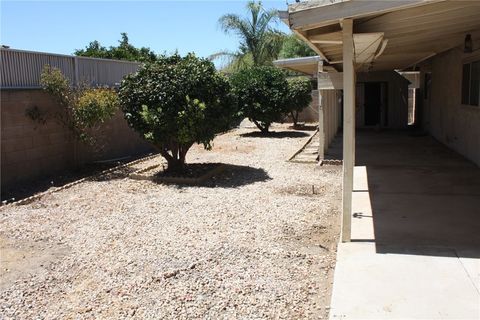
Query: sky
164	26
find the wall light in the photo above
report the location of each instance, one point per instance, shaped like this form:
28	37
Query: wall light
468	48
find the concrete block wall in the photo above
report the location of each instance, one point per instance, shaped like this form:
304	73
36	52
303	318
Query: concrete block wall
310	113
31	150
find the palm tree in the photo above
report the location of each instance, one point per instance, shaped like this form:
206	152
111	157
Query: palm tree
259	42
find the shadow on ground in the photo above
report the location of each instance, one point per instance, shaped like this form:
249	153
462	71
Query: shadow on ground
89	171
424	197
233	176
275	134
304	128
119	173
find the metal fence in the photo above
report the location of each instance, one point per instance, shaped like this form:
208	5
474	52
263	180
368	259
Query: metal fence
21	69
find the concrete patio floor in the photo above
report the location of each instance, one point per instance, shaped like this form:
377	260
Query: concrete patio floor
415	250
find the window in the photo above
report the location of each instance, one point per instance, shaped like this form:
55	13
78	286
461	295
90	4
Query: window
471	84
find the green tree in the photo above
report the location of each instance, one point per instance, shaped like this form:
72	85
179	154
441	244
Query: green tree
176	102
262	94
293	47
124	51
260	43
299	96
84	109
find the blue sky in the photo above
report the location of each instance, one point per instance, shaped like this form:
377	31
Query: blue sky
164	26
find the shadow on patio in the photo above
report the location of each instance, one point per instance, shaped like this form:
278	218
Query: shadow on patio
415	250
421	194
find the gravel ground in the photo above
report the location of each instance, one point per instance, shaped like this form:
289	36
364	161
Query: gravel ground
257	241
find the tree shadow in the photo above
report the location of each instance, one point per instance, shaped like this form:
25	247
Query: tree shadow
232	176
304	127
275	134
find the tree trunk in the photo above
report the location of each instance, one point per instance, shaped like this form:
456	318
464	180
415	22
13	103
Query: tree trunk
263	129
294	115
175	155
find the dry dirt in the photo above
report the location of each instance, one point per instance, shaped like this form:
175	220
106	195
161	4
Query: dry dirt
257	241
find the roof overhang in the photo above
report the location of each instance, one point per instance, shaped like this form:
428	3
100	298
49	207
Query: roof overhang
305	65
388	35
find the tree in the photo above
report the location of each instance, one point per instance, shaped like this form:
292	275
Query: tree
299	96
261	93
293	47
124	51
83	109
176	102
259	42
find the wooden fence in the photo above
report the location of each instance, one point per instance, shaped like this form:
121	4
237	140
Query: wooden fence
21	69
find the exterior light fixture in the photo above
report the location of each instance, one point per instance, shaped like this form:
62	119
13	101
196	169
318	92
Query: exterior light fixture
468	47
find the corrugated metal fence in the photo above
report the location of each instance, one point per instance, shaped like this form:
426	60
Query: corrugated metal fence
21	69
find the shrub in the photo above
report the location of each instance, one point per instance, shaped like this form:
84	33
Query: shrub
96	106
84	108
261	94
176	102
299	96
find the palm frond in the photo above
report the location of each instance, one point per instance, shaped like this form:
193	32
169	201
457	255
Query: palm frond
257	38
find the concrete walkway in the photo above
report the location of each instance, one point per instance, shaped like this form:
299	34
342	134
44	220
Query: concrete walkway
415	250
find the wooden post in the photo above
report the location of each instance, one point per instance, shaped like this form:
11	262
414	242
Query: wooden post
348	127
321	122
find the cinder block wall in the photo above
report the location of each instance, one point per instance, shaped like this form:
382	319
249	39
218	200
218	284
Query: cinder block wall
31	149
310	113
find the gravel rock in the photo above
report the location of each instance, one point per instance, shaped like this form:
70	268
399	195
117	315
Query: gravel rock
253	242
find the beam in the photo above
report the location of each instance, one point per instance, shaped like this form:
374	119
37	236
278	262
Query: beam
321	122
311	45
348	127
327	38
324	15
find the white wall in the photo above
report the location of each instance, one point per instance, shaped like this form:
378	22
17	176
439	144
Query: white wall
450	122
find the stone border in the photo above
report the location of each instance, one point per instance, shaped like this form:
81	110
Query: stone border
137	175
330	162
302	148
71	184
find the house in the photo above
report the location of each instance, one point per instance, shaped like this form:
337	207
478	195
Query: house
411	202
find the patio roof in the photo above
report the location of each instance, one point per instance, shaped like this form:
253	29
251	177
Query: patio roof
388	35
305	65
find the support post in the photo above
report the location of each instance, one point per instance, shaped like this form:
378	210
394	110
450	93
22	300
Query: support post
321	122
348	127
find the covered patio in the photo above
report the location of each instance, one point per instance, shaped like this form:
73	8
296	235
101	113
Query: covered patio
415	245
410	241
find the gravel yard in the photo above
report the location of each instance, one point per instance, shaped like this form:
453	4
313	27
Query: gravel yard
257	241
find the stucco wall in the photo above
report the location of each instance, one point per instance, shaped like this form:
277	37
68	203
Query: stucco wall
30	149
450	122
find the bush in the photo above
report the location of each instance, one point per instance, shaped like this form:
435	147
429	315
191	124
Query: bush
95	106
176	102
261	94
84	108
299	96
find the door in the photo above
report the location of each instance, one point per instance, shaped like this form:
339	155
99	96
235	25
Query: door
359	105
373	103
